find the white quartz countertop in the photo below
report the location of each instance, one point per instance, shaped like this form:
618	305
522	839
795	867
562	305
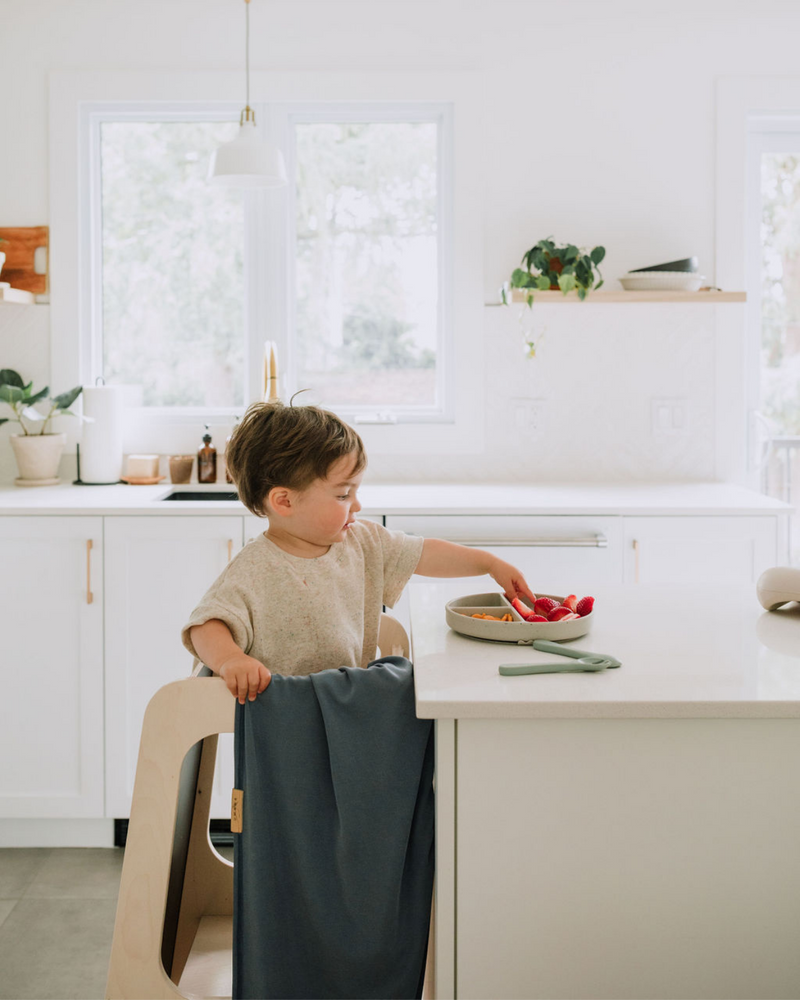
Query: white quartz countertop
423	499
686	652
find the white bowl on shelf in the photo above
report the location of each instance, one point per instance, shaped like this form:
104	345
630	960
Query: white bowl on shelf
675	281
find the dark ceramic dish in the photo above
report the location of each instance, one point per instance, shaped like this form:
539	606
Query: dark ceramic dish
687	264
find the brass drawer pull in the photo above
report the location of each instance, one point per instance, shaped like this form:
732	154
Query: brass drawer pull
89	595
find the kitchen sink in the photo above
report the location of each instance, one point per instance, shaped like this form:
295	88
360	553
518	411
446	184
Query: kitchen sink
207	496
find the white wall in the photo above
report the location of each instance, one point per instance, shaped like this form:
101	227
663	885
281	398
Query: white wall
600	129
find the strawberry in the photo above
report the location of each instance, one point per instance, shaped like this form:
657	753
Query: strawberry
544	606
584	606
559	614
569	617
570	602
523	609
537	618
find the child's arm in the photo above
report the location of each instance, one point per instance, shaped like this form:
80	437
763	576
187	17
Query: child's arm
242	674
441	558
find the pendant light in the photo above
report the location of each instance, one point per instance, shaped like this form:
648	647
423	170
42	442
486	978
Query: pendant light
247	161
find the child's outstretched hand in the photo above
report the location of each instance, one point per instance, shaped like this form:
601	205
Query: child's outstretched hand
511	580
244	676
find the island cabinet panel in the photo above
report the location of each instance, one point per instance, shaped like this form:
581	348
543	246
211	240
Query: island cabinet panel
157	569
704	549
627	858
51	736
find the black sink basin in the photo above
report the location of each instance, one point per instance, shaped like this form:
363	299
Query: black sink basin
209	496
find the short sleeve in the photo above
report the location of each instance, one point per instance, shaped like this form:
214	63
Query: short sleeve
401	553
228	602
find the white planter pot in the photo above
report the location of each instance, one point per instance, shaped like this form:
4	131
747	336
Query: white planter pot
37	458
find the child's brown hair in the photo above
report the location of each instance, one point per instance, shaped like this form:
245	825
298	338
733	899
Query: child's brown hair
279	445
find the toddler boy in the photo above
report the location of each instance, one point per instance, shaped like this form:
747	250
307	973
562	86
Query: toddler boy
307	594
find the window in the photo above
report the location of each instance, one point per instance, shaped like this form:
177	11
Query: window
366	263
774	287
172	265
396	347
347	269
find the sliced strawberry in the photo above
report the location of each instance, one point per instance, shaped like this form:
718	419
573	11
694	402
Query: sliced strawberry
570	602
522	608
558	614
537	618
569	617
584	606
544	605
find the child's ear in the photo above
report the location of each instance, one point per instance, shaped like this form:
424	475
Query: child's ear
280	499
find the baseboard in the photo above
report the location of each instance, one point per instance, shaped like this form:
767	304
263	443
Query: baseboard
56	832
219	830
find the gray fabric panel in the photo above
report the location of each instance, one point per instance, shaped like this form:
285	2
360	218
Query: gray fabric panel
333	873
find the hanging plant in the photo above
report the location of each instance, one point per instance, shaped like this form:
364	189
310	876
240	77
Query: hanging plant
551	267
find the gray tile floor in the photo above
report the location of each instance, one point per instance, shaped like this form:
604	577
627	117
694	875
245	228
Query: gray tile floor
57	908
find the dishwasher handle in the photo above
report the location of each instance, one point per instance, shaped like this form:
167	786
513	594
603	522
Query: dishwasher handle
587	541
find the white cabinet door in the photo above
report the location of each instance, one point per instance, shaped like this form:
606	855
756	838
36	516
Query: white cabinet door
713	549
157	569
51	607
253	527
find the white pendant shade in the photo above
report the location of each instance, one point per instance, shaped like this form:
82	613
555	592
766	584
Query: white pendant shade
247	161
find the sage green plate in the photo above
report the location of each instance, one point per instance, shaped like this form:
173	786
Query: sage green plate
458	613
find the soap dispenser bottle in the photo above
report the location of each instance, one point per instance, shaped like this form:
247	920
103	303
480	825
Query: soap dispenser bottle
207	460
227	445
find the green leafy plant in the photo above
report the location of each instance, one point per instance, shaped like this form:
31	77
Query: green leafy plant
20	397
548	266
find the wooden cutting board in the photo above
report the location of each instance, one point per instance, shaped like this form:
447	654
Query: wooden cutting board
19	250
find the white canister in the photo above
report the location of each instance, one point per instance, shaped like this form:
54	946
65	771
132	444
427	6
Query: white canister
101	436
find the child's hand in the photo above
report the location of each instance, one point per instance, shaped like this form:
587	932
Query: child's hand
511	580
244	675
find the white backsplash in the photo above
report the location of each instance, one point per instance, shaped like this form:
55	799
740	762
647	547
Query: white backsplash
593	380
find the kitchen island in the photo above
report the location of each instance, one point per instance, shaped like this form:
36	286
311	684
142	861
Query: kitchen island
628	833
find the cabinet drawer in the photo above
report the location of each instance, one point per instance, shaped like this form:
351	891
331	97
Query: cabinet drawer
575	552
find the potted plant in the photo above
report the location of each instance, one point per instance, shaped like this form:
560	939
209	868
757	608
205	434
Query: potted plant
37	454
548	266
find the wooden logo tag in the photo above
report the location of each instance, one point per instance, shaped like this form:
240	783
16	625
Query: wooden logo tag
236	810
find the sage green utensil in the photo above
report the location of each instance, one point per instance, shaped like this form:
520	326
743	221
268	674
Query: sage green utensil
584	662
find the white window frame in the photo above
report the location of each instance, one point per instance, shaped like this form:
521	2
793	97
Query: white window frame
76	101
752	112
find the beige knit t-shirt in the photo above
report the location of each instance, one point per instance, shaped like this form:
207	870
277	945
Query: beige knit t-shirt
299	616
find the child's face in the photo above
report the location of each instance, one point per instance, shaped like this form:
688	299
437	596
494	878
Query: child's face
322	513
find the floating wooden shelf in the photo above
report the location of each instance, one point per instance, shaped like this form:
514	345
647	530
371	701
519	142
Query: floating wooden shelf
654	295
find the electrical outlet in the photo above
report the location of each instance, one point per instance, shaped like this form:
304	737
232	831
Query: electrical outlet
669	415
528	416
